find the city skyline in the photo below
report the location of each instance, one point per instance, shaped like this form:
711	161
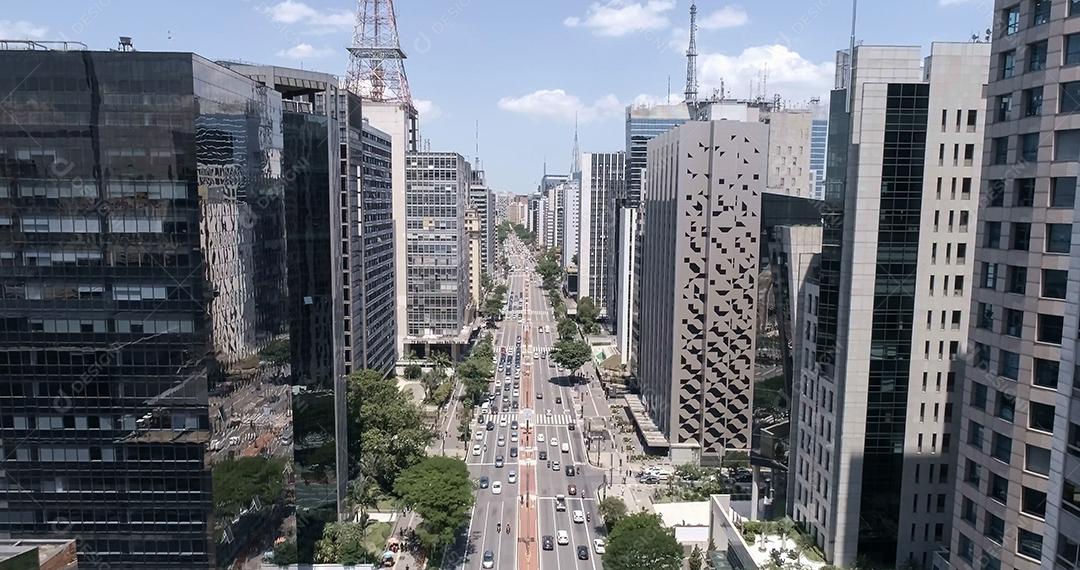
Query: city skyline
515	87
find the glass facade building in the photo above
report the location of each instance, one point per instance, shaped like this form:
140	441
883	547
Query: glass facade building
143	268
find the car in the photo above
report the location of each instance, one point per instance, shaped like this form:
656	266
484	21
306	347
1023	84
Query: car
498	461
489	559
514	437
563	537
501	442
539	438
514	424
496	489
577	516
476	449
539	395
480	420
570	470
548	542
554	442
543	455
502	422
555	466
558	399
515	404
511	477
570	426
547	412
484	482
490	425
516	394
599	546
479	435
571	489
513	452
565	447
583	552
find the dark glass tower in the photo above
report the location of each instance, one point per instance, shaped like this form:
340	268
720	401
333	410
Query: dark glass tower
142	264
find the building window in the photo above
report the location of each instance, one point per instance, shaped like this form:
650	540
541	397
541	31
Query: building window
1063	192
1041	417
968	511
1009	364
1033	502
1000	150
1067	145
1068	551
1070	97
1013	323
994	528
1046	373
993	235
995	193
1021	235
966	548
1001	448
1024	192
1072	49
1070	497
1033	100
1007	61
1006	406
972	473
1058	238
999	488
1055	283
975	434
1004	107
986	316
1037	56
1029	544
1017	279
978	396
1040	12
1029	147
982	356
1074	7
989	275
1037	459
1050	328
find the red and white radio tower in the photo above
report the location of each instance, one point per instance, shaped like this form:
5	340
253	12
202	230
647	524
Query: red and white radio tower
376	61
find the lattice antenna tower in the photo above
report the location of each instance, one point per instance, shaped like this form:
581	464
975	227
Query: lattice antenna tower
691	58
376	60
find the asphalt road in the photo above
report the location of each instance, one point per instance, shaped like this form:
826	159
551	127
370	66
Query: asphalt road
529	504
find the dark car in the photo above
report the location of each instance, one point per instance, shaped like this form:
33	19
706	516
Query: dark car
548	542
513	452
484	482
558	399
514	405
570	470
539	395
583	552
489	558
514	425
543	455
570	489
490	426
570	426
498	461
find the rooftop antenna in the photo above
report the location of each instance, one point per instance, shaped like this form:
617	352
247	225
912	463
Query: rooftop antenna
125	44
376	60
667	100
691	57
575	162
478	144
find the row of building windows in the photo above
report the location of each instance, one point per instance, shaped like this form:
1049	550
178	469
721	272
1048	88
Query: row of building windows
1062	193
1066	147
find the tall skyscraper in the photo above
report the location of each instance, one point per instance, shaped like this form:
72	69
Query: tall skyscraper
884	317
602	178
1017	503
439	304
571	220
819	138
483	199
701	216
143	260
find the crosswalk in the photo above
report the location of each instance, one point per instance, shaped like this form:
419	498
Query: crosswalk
537	419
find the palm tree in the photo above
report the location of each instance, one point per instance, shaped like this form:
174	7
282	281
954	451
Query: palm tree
440	359
361	495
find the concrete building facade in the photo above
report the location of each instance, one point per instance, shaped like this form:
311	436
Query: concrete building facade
701	212
602	178
571	220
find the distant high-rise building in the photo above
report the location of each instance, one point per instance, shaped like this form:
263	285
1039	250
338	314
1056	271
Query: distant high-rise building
571	220
143	260
440	310
602	178
819	138
790	152
475	236
884	318
701	220
1017	500
483	200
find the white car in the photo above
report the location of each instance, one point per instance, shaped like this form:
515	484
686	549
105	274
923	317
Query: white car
516	393
479	436
502	421
540	438
496	489
501	442
578	516
476	450
598	545
511	477
562	537
514	437
554	442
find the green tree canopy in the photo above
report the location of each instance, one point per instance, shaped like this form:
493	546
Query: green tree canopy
277	352
567	329
612	510
386	428
587	312
343	543
640	541
571	353
440	491
238	481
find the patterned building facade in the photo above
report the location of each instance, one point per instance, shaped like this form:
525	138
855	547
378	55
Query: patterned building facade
702	201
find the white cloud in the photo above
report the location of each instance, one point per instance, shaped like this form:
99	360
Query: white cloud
649	100
21	30
305	51
620	17
726	17
428	110
290	12
558	104
791	75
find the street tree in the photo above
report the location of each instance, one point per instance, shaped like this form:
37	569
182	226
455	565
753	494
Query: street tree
587	312
697	559
640	541
567	329
386	427
571	353
440	491
612	510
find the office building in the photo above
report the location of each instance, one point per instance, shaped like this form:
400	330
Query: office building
701	224
571	220
1016	502
884	315
482	199
474	234
819	137
439	303
602	178
116	376
789	152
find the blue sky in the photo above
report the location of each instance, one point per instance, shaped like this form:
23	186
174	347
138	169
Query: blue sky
523	68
